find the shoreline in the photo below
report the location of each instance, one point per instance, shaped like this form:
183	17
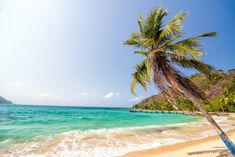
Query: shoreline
118	141
210	146
185	112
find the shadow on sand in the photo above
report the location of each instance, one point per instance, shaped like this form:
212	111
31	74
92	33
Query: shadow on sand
218	152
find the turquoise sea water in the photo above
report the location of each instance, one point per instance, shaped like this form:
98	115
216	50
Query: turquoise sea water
24	122
64	131
61	131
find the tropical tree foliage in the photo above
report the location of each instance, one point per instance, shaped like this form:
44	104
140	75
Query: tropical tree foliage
164	47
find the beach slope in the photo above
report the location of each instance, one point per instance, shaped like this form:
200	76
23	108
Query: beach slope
208	147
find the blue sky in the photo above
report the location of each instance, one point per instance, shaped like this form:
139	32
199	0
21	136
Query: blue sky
71	52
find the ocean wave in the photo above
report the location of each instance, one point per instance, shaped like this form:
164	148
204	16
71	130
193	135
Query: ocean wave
115	142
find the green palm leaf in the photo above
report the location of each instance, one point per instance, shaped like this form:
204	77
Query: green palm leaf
141	75
184	50
192	64
153	23
162	46
138	40
174	27
193	42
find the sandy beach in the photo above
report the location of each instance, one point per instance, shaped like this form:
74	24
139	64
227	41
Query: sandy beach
208	147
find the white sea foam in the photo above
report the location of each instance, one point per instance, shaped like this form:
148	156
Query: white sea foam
116	142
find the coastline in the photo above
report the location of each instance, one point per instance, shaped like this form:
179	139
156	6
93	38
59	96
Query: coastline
211	146
207	147
115	140
185	112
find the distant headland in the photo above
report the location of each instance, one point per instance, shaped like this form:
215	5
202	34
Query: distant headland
4	101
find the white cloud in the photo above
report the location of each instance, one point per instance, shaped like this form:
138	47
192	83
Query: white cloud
45	94
17	84
136	99
111	94
84	94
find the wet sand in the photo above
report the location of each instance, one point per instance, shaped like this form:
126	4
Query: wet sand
208	147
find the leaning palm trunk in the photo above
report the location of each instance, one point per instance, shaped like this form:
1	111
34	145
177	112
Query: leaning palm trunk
170	98
163	49
219	131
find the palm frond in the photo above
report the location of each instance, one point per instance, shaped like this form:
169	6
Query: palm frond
145	53
169	41
190	46
208	34
154	22
142	75
138	40
193	42
148	69
174	27
140	22
161	47
192	64
184	50
133	84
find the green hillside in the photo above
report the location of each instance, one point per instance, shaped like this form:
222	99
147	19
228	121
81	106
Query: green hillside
220	90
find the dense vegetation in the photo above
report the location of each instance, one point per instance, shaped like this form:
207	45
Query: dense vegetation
220	89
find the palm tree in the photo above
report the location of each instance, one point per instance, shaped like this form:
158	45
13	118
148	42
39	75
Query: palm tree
163	50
